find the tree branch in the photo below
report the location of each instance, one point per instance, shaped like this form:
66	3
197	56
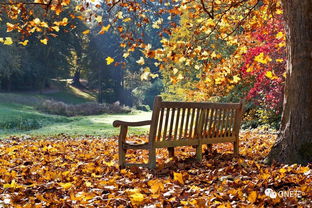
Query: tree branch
210	14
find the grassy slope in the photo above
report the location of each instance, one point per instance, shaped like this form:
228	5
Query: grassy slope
18	116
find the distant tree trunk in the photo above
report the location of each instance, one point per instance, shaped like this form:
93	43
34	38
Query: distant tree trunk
100	93
294	142
76	79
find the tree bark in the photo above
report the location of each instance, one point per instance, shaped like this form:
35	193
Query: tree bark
294	142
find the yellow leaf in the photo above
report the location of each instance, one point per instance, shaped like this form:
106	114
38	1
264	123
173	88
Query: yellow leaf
282	170
119	15
86	32
109	60
44	41
156	186
213	55
10	27
252	197
104	29
303	170
261	59
178	177
88	184
279	11
175	70
125	55
127	19
279	35
56	28
270	75
8	41
279	60
141	61
13	184
24	43
99	19
236	79
180	77
37	21
282	44
137	197
65	185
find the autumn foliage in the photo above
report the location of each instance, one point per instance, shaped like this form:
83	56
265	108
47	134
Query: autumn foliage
83	172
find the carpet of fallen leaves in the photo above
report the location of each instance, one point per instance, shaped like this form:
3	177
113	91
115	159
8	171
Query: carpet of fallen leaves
83	172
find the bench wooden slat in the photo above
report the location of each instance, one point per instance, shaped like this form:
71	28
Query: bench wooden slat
159	134
182	123
171	124
187	122
192	122
177	124
166	124
226	117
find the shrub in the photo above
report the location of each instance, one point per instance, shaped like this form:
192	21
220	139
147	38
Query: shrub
84	109
143	107
22	124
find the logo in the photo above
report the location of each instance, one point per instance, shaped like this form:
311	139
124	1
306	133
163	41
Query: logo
282	194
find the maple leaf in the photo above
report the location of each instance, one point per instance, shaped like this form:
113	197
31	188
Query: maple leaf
236	79
24	43
156	186
178	177
66	185
127	19
119	15
44	41
109	60
86	32
141	61
104	29
8	41
270	75
99	19
252	197
56	28
261	59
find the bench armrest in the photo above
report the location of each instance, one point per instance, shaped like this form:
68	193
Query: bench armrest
118	123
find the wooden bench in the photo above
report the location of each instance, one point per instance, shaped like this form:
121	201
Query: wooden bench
184	124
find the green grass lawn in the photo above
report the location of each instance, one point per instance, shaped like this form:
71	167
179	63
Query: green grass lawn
18	116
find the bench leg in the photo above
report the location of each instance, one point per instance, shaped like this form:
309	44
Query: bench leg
199	153
122	157
236	148
171	152
121	150
152	158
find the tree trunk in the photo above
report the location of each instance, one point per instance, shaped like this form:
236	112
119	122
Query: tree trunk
76	79
294	142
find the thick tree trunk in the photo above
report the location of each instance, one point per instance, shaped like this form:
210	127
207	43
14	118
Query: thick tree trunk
294	143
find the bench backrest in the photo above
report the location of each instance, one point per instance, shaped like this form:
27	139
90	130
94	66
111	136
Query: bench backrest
190	120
